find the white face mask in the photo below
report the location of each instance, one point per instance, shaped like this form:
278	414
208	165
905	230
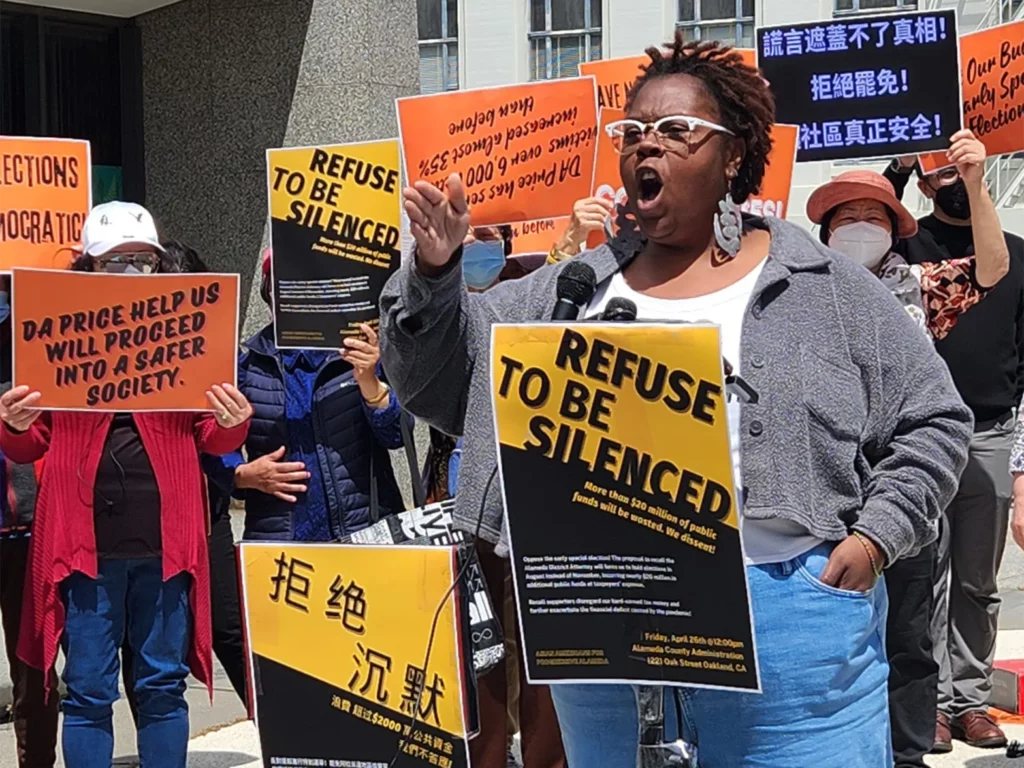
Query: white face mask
863	242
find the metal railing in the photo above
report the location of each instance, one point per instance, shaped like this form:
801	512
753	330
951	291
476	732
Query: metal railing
1002	11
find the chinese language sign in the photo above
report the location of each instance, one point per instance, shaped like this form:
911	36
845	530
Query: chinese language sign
866	87
337	637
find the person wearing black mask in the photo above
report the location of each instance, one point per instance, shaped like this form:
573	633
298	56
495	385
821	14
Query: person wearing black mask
985	354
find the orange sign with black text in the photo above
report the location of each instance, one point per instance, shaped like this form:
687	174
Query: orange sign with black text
992	77
773	199
46	188
122	342
537	236
524	152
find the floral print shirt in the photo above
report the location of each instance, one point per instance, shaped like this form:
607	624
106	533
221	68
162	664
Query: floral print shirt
934	294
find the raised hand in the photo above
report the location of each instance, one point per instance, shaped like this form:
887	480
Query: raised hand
439	221
969	155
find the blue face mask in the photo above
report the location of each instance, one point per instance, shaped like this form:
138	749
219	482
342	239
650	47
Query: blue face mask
5	306
482	262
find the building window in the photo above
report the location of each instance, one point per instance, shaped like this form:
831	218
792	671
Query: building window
730	21
856	6
439	45
562	34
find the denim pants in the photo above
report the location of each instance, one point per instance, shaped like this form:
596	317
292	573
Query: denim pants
821	654
128	597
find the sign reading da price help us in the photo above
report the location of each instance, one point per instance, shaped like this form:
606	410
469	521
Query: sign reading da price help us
870	86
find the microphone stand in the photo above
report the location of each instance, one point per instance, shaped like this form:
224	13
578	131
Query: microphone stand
654	751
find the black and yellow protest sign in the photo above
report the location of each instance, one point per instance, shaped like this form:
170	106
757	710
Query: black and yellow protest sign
622	515
336	238
337	635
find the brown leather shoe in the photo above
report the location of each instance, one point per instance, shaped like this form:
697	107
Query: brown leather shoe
943	735
978	729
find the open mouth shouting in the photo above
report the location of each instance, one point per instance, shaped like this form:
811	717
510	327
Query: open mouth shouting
648	186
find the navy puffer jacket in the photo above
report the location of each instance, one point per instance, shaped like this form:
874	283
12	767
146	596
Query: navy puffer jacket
352	443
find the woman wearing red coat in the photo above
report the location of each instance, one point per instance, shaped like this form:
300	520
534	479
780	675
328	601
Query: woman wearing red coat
119	546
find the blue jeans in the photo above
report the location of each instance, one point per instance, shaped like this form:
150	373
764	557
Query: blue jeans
127	596
821	654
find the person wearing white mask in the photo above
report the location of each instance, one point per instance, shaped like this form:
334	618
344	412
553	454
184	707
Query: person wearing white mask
861	217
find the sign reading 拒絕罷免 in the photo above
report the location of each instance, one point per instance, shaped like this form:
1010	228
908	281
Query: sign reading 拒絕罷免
867	86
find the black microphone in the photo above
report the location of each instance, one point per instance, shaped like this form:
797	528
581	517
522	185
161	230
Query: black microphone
575	287
619	310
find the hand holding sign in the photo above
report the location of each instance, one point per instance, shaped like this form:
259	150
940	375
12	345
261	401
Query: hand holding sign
230	407
968	153
364	356
269	475
588	215
17	408
439	221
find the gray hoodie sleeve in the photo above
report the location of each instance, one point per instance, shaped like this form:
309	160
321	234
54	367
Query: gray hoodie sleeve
432	330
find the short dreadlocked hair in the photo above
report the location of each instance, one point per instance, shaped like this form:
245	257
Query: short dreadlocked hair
745	102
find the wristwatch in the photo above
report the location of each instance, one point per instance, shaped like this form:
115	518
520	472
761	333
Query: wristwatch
897	167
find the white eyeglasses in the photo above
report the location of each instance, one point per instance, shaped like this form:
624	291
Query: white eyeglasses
675	132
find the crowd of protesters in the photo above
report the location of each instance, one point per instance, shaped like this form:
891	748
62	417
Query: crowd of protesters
872	569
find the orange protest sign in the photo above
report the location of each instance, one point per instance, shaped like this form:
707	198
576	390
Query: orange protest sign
616	76
46	189
992	64
524	152
773	199
537	236
992	79
933	161
123	343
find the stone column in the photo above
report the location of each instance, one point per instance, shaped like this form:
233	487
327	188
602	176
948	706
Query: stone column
358	57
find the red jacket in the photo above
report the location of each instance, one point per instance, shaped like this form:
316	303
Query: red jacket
64	535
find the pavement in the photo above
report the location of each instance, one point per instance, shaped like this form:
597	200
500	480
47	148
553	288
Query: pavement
223	738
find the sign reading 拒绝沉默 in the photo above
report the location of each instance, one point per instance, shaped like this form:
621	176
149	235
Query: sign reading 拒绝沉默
874	86
336	651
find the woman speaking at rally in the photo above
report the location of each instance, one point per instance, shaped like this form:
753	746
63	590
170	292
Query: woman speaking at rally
119	544
847	458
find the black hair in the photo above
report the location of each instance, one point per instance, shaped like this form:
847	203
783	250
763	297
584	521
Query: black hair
745	103
184	257
505	230
825	231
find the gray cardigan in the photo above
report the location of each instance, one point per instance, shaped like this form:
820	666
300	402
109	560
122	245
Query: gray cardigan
858	425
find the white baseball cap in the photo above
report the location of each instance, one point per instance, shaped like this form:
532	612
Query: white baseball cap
110	225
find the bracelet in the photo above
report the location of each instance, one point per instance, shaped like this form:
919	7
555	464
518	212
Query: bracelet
379	398
871	557
555	255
